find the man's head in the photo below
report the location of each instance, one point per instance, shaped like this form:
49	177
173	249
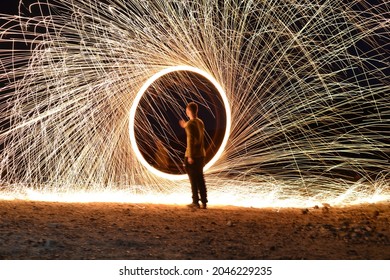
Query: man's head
192	110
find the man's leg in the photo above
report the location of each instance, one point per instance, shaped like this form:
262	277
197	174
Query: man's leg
201	184
191	171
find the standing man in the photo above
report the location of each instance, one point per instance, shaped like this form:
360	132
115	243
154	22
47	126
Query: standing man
195	155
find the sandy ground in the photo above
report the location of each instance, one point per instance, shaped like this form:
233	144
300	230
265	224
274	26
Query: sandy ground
42	230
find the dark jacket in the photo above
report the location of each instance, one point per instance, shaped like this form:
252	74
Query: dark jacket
195	138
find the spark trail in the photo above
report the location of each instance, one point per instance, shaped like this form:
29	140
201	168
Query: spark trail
306	82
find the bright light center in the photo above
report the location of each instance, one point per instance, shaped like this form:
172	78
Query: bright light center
134	107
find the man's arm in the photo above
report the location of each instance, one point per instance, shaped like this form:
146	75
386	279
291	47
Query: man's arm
183	123
190	142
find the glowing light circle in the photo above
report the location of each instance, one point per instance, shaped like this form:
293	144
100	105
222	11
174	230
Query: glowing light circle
137	99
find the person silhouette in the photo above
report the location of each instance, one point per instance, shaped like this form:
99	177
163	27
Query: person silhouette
195	155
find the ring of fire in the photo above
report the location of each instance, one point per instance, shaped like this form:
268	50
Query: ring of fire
137	99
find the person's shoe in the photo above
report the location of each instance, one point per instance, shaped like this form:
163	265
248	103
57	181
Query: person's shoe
204	206
193	206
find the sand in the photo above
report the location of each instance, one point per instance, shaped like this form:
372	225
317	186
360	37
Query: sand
75	231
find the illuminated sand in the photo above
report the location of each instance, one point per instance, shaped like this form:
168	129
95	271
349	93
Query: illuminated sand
43	230
220	193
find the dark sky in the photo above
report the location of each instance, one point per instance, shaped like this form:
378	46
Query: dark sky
9	6
375	58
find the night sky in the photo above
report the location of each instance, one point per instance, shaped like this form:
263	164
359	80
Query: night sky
373	58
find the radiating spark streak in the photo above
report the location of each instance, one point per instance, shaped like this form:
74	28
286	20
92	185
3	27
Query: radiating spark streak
306	84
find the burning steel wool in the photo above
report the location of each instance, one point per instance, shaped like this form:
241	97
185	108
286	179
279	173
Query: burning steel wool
297	91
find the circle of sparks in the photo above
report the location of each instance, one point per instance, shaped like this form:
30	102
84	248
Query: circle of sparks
134	107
